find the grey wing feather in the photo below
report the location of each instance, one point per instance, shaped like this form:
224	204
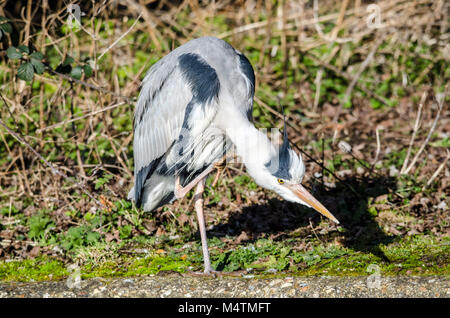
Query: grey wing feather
159	114
177	92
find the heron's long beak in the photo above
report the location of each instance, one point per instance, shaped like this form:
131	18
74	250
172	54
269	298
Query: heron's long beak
306	197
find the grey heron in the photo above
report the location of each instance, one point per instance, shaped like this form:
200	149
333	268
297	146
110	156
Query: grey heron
193	105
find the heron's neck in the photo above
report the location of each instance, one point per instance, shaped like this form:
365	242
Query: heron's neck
252	145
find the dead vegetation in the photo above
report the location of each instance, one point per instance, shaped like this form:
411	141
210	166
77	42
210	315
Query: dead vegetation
365	88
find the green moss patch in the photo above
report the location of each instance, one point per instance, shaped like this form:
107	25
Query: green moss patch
263	258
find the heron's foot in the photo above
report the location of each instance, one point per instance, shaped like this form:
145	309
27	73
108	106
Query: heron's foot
181	191
220	166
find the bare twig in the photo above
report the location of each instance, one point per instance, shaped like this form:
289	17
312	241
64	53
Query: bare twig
378	145
347	77
149	20
318	82
261	24
440	102
438	171
358	74
54	170
62	123
101	89
120	38
416	128
319	29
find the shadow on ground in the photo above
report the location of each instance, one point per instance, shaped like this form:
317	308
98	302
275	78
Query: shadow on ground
348	201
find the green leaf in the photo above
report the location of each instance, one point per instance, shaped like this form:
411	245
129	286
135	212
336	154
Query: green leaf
37	56
376	104
76	72
38	66
39	225
26	71
13	53
69	60
87	70
92	237
24	49
392	102
125	231
6	27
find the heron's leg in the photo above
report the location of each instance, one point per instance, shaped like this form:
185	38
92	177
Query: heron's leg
198	199
181	191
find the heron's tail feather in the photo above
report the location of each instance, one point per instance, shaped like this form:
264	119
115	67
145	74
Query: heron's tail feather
157	191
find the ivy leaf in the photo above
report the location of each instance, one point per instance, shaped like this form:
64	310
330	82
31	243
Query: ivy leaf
38	66
37	56
26	71
24	49
76	72
5	26
69	60
13	53
87	70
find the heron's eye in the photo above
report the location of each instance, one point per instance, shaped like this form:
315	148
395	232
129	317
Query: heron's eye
280	181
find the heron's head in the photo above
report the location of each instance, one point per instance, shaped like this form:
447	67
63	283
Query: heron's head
284	173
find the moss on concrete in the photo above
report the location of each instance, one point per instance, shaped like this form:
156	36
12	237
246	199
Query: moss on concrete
263	259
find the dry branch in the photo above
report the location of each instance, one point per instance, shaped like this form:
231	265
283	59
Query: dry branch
416	128
79	118
430	132
54	170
